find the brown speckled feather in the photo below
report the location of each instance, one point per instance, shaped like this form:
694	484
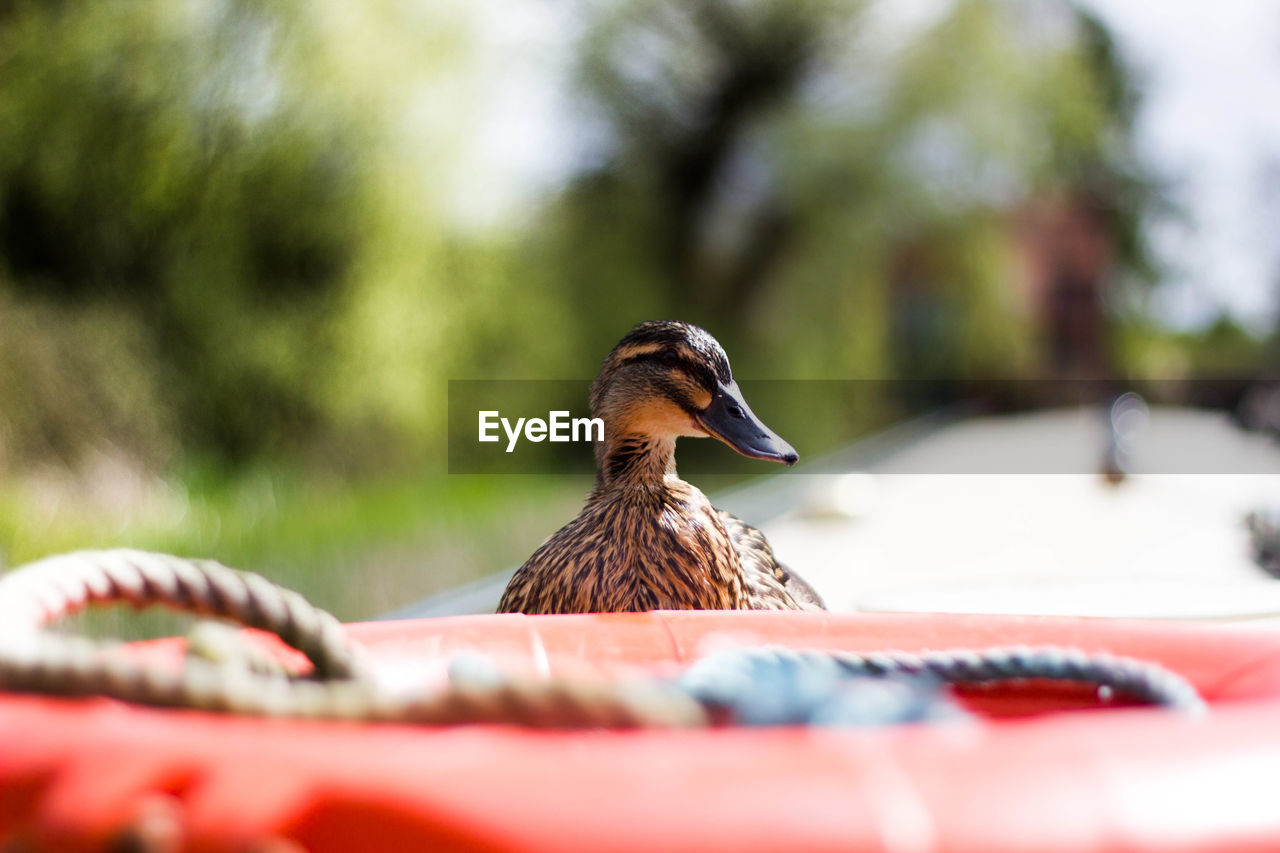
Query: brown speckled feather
762	570
659	549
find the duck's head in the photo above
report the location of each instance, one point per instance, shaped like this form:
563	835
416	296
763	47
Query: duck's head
667	379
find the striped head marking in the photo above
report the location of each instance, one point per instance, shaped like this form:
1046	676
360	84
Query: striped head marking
666	379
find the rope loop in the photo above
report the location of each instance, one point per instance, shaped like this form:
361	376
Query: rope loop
39	593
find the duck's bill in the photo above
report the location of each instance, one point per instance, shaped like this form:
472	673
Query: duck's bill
731	420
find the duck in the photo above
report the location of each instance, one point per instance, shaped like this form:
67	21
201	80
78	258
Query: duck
646	539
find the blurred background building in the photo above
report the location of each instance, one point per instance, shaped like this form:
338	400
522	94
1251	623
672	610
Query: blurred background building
244	247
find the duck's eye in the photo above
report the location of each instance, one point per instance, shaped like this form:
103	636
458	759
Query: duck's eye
669	357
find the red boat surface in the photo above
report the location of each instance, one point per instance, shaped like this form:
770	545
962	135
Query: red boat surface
1043	767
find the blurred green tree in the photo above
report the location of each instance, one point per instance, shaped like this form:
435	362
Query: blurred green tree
159	162
251	191
834	187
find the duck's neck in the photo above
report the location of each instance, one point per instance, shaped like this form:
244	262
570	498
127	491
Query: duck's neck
631	461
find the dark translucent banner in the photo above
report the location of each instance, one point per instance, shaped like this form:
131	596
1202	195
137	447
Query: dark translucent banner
973	427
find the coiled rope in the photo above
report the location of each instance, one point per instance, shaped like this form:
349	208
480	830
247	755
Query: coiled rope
731	687
773	686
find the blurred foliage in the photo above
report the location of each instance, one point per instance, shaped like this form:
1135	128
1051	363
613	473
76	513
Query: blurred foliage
248	186
150	168
1224	347
68	375
783	173
355	549
228	238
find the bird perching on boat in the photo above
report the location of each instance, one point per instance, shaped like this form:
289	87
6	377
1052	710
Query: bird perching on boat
647	540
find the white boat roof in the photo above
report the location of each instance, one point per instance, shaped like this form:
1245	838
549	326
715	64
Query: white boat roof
1010	514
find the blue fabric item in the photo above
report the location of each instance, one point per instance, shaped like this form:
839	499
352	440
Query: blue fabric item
777	687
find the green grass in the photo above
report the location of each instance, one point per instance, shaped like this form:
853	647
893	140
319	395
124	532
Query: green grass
356	549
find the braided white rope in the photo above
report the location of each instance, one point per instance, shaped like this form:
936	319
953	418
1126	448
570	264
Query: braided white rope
40	592
36	661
